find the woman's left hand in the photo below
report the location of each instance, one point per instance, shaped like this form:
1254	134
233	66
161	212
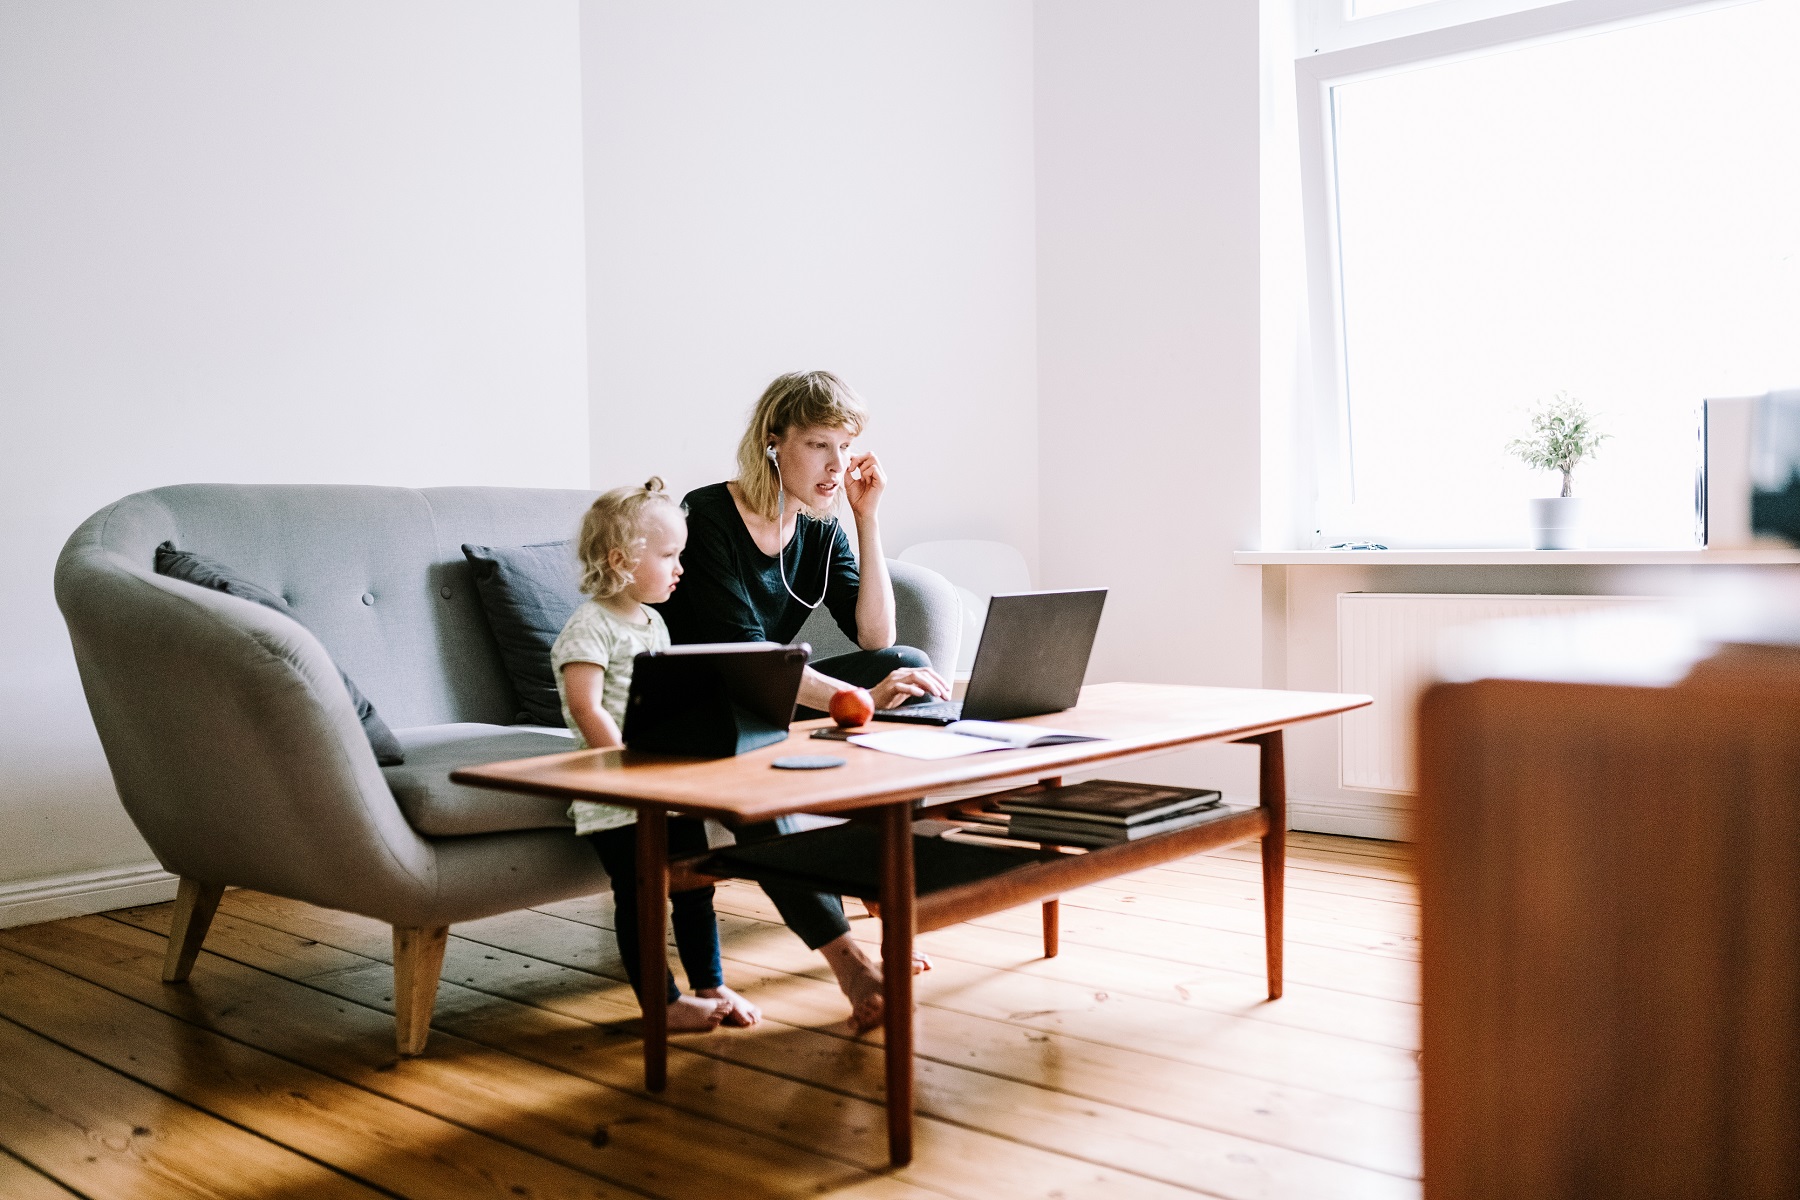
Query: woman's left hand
863	484
905	683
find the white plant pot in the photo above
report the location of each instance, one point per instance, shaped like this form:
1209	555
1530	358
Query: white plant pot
1556	523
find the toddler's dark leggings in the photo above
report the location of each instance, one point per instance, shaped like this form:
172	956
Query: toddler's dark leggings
696	928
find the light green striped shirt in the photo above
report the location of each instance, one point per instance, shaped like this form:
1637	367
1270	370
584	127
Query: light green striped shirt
595	635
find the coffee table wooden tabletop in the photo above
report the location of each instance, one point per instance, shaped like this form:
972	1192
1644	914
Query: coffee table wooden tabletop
1132	719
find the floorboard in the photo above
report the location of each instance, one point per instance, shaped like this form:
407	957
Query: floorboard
836	1064
1299	879
20	1180
1142	1063
105	1135
1040	1033
1354	911
363	1135
1313	859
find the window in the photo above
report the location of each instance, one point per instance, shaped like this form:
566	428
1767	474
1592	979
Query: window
1370	8
1543	201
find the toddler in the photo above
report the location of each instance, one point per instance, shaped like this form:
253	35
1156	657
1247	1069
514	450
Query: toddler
630	549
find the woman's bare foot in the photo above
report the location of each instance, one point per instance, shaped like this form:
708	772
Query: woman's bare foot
738	1011
694	1014
859	978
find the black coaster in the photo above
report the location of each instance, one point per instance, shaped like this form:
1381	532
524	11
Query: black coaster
806	762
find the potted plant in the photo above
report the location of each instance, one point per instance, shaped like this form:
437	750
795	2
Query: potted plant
1562	437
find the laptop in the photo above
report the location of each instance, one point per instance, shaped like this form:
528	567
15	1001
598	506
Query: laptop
1032	658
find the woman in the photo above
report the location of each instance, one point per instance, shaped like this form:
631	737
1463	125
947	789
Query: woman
761	555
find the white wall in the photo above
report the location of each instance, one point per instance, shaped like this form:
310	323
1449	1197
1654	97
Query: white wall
296	240
799	184
334	241
1147	169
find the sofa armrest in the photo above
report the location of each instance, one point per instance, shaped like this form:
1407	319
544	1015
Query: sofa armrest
232	741
928	613
927	616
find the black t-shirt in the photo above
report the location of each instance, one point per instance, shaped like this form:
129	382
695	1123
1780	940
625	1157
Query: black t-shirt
730	591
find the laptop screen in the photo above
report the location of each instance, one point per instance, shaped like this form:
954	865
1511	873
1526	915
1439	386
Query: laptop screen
1034	653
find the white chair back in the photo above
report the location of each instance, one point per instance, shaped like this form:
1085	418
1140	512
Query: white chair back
978	570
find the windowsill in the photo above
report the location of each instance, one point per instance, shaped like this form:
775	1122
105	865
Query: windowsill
1756	555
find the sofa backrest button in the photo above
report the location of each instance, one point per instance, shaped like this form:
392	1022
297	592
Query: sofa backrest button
444	591
368	597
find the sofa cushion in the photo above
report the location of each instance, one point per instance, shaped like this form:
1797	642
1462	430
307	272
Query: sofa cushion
528	593
198	569
438	808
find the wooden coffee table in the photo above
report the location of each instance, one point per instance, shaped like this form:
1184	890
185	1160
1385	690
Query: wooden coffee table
1136	720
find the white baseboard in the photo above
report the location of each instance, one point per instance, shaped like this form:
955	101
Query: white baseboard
83	892
1350	819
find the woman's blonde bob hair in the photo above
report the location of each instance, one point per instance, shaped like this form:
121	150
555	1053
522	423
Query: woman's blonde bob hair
616	522
801	400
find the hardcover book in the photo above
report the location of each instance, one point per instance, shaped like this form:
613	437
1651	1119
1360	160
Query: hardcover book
1095	833
1110	802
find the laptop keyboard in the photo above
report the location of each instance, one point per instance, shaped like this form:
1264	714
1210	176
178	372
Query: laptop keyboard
947	709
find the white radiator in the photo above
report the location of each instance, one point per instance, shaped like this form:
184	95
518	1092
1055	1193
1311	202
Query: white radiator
1387	648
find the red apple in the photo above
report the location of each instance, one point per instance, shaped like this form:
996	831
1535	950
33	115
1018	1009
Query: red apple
852	706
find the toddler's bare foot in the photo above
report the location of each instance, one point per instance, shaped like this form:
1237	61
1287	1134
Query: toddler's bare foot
738	1011
694	1014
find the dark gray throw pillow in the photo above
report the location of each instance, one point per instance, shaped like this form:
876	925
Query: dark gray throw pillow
189	567
528	594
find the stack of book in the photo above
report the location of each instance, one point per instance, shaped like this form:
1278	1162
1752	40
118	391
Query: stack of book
1105	812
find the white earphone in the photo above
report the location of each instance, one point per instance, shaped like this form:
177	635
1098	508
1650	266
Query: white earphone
781	547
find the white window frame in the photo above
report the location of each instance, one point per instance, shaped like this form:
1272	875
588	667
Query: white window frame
1331	48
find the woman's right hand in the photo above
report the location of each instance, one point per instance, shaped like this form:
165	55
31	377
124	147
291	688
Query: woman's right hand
904	683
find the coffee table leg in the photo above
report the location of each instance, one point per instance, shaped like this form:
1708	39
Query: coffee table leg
653	956
1273	787
897	918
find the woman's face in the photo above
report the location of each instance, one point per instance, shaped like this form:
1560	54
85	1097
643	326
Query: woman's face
814	461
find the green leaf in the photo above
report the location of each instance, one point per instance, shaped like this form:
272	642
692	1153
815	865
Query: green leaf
1562	436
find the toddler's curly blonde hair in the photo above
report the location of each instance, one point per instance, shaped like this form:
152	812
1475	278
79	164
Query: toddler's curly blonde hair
616	522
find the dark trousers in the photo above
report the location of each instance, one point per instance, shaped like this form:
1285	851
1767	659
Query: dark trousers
818	917
696	928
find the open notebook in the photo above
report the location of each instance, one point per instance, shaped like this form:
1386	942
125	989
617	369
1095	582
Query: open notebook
965	737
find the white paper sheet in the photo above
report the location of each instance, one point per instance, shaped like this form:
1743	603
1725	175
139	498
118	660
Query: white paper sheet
925	743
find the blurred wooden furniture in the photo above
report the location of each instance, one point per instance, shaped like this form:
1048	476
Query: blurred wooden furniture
1133	720
1610	882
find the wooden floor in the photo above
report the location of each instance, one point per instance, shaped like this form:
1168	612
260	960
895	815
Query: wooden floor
1141	1063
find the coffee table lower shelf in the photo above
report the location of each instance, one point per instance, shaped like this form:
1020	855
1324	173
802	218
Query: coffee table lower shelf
958	881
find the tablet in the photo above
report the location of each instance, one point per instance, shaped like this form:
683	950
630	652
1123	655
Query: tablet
713	700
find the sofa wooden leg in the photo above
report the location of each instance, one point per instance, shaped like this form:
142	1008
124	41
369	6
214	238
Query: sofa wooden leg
195	904
418	961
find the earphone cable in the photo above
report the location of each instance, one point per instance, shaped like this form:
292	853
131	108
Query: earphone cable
781	547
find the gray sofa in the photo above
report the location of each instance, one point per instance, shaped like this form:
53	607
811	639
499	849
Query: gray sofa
233	742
